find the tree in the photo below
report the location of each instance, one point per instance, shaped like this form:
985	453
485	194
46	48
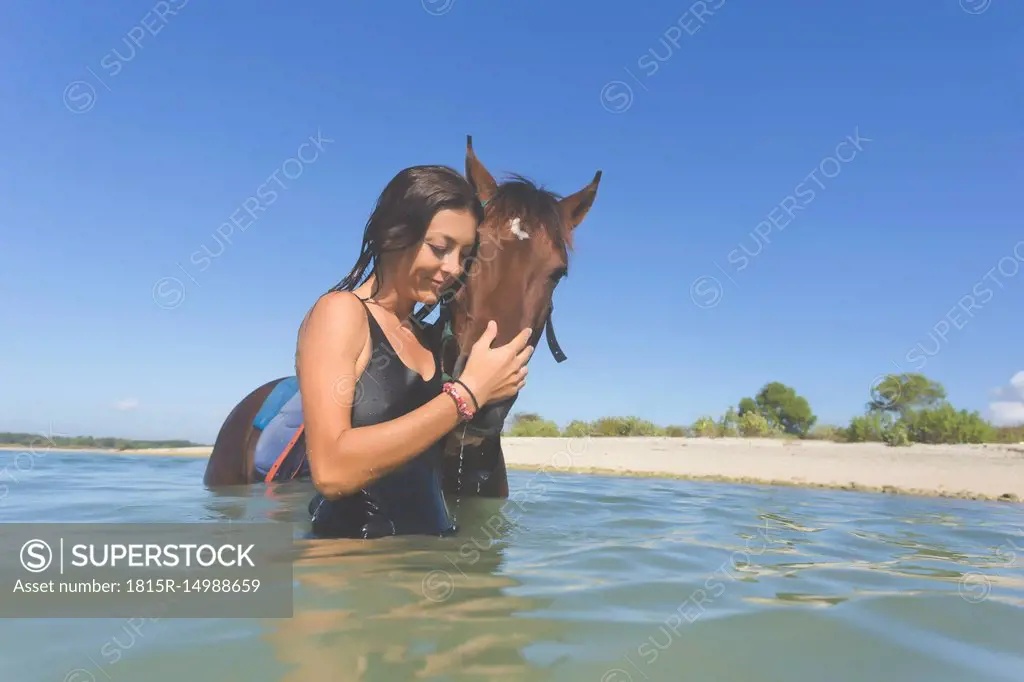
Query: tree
747	405
782	407
901	393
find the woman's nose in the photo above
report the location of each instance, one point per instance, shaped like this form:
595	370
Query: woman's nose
451	266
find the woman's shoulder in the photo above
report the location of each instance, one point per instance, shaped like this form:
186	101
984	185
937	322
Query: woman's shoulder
336	314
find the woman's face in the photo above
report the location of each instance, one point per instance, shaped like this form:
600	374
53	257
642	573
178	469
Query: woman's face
440	256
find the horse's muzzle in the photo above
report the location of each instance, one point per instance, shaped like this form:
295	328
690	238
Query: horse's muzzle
489	421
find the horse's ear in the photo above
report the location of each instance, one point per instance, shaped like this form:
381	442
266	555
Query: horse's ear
481	179
575	206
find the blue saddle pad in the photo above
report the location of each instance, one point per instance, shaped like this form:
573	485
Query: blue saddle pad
281	394
276	435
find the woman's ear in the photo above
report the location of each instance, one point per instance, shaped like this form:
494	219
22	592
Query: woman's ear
481	179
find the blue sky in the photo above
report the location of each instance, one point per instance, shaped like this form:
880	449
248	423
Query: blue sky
133	130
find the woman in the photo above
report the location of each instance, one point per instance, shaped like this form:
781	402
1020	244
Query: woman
373	401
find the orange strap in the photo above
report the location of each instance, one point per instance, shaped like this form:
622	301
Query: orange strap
284	454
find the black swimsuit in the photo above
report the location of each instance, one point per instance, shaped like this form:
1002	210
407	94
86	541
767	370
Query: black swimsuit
409	499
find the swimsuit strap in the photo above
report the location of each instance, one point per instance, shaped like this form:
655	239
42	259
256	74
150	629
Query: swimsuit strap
377	335
374	324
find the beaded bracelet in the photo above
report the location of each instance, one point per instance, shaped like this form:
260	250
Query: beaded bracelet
465	411
476	404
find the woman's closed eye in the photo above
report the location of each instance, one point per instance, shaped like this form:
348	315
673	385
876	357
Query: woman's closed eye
442	251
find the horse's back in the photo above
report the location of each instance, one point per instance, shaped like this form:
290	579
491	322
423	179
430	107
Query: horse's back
231	462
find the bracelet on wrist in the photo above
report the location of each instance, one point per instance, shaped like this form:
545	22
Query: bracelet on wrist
476	403
465	411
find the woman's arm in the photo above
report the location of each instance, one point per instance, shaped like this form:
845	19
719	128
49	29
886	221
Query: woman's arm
343	459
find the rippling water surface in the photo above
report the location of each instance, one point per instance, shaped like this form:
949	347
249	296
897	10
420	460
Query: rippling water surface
587	578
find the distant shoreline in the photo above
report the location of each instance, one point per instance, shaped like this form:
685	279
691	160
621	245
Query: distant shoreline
192	451
975	472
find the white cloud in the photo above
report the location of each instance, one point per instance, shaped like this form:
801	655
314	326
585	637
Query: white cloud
127	404
1007	413
1008	410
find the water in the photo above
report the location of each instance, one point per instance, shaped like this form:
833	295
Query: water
598	579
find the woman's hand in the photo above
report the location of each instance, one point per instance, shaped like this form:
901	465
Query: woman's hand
497	373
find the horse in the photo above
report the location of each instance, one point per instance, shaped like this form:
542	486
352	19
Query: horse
524	239
528	233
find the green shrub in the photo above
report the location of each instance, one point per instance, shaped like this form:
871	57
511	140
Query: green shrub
729	424
674	431
1008	434
705	427
607	426
827	432
625	426
868	428
754	425
636	426
534	428
577	429
896	434
946	424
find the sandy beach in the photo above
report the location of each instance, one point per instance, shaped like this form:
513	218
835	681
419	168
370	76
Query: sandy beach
986	472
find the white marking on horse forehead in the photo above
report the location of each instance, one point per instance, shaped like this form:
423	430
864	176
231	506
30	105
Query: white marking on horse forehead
518	231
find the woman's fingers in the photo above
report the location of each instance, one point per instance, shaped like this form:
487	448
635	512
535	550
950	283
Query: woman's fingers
517	344
523	356
523	338
490	331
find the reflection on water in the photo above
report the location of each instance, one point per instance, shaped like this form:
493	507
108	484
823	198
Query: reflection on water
450	603
594	579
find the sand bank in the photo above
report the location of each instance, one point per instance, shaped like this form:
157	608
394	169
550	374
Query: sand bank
965	471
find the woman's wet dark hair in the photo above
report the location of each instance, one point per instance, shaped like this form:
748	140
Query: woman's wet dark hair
403	213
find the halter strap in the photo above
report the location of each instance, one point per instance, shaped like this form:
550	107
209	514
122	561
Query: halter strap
448	333
549	332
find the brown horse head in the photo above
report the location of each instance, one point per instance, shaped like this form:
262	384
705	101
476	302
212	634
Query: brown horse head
522	254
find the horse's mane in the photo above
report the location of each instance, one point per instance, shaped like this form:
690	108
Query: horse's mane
519	197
